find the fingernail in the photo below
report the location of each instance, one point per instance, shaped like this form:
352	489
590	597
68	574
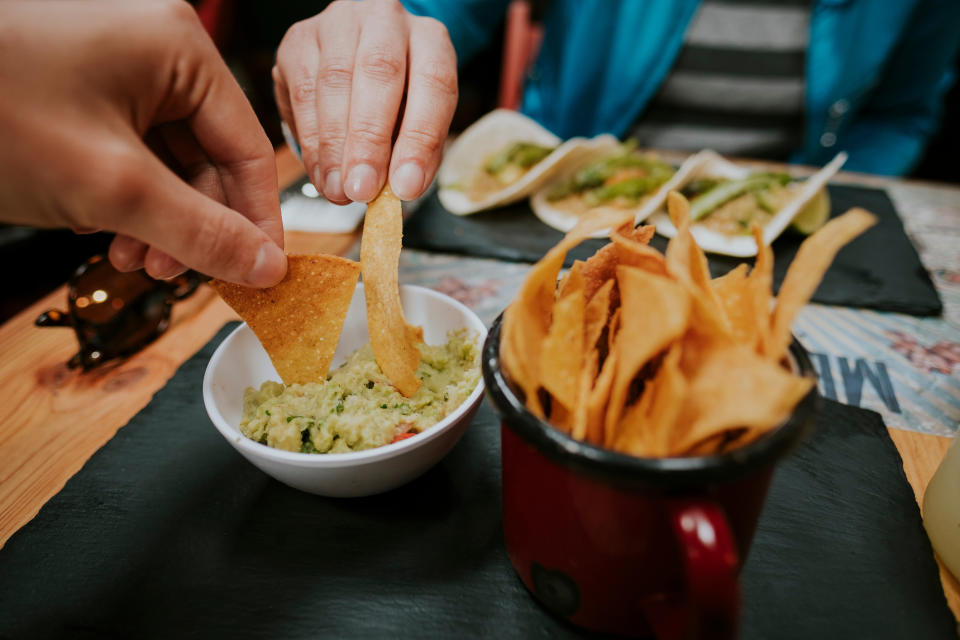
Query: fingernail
407	181
269	268
362	183
332	188
173	272
161	266
317	178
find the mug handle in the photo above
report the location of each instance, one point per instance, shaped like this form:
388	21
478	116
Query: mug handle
712	605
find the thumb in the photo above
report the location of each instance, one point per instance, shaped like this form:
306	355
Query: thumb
199	232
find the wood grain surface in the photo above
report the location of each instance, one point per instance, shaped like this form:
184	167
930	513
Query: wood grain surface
52	419
921	455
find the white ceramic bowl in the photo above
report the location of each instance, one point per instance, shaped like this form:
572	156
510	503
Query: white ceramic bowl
240	362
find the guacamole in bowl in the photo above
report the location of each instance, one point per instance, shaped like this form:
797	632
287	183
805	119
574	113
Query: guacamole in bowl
240	362
357	408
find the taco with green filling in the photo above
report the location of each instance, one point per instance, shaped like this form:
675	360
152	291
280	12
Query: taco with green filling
727	201
503	157
624	178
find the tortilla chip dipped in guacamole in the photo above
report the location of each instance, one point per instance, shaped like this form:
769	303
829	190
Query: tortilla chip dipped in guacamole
357	407
394	341
309	304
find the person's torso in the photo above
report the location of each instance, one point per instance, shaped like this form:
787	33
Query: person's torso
737	85
602	62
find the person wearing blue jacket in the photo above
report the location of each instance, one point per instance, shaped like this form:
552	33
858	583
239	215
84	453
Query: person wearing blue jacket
790	79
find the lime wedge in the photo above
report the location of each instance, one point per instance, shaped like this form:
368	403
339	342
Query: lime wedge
813	215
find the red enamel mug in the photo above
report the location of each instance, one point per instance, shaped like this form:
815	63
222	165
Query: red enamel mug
632	546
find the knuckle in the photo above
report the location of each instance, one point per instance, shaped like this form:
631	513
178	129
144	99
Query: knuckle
380	6
381	64
433	27
177	12
303	90
370	134
330	148
439	78
298	35
290	38
391	5
310	148
338	6
424	138
221	243
299	30
335	75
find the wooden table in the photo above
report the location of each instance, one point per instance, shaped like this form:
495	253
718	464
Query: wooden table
53	418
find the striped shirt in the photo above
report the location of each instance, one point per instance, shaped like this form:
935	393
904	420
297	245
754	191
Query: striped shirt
737	85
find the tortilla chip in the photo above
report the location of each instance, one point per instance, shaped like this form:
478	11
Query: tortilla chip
596	315
733	387
632	435
760	284
527	320
394	342
600	268
613	328
562	351
298	321
655	312
724	441
560	417
633	249
576	271
647	426
668	388
688	264
736	300
598	402
602	265
588	376
807	270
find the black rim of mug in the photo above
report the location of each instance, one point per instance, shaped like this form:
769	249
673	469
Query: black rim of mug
607	465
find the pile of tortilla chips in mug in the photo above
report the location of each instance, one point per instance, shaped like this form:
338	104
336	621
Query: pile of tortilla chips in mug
644	353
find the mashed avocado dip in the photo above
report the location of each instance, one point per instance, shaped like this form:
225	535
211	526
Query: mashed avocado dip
357	408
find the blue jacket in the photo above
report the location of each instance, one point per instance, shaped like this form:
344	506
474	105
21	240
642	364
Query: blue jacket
876	69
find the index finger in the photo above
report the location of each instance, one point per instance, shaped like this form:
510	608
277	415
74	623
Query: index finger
227	129
188	226
378	79
431	101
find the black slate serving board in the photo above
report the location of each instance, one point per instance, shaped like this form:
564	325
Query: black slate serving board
167	532
879	270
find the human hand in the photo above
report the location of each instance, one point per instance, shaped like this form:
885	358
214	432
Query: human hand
123	117
339	84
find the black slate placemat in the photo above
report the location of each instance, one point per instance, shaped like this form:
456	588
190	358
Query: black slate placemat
879	270
168	533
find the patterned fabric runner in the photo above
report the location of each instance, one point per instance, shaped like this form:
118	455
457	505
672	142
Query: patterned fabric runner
906	368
